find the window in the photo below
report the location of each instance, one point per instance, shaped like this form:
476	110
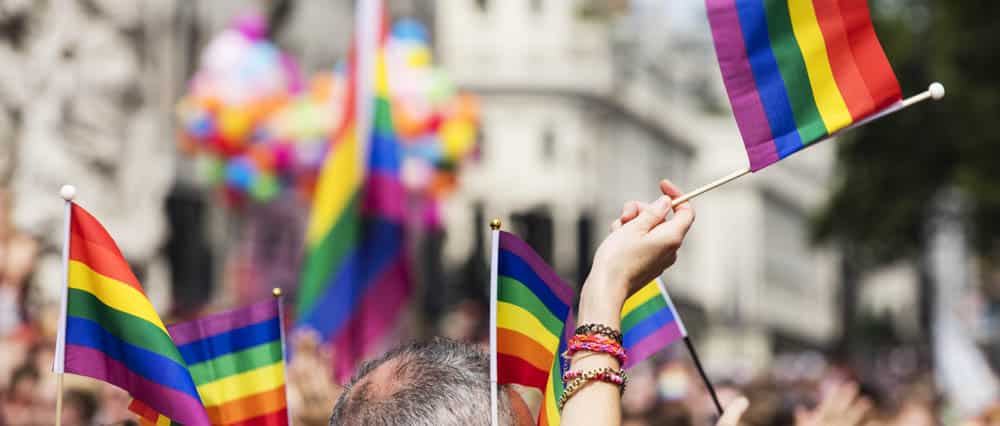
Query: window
786	251
483	5
536	5
548	145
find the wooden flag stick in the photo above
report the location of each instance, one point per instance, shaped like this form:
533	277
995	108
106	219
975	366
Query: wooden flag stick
934	91
704	377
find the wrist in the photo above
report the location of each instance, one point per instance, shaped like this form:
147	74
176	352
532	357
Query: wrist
601	299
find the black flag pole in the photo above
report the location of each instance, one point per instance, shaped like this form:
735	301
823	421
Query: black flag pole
704	377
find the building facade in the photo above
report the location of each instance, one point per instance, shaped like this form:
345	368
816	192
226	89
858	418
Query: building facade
582	112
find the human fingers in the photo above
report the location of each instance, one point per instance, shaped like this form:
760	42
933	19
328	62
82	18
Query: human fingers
842	397
669	189
671	233
733	412
652	214
856	412
630	210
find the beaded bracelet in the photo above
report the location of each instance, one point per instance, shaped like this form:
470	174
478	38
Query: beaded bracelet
605	374
581	379
600	329
597	344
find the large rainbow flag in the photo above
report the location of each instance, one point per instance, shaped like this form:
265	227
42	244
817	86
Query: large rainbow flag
355	281
113	334
237	361
797	71
533	308
649	323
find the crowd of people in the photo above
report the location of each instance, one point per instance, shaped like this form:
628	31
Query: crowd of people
665	390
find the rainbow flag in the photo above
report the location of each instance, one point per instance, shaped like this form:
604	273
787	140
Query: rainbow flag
237	361
356	281
649	323
533	307
112	333
797	71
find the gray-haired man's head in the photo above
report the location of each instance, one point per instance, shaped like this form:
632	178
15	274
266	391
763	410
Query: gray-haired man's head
436	383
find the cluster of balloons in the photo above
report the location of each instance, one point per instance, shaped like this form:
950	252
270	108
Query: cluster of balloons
257	129
437	125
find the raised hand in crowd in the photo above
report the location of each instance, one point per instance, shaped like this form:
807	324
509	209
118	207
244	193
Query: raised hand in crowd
841	407
642	244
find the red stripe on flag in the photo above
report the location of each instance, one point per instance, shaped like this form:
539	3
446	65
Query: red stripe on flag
838	48
90	243
511	369
277	418
868	53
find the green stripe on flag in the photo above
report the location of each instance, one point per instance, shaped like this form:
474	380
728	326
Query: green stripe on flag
127	327
645	310
514	292
325	259
236	363
793	71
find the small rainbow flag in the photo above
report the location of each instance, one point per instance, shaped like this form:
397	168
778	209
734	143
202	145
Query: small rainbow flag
356	281
797	71
237	362
533	308
649	323
112	333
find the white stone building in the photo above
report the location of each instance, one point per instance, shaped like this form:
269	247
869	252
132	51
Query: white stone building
582	111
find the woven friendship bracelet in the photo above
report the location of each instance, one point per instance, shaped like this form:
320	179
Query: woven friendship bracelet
600	329
581	379
597	344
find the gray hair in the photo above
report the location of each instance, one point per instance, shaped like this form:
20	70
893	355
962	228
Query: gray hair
437	383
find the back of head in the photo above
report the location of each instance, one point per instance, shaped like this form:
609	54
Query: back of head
436	383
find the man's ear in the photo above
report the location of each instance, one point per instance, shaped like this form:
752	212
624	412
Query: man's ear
522	414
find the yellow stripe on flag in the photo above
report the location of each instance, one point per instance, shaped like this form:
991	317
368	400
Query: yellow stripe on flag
113	293
337	183
242	385
832	107
650	291
513	317
550	412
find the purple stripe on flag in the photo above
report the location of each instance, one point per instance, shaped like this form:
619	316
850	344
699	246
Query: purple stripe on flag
176	404
385	196
653	343
373	319
190	331
521	249
740	85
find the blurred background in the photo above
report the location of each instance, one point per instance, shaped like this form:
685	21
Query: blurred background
194	131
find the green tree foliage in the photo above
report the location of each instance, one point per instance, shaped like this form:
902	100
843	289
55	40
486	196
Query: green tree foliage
889	171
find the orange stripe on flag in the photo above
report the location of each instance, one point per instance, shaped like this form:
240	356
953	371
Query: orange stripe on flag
518	345
249	407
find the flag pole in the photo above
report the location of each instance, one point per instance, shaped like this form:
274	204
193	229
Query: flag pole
67	192
935	91
494	262
704	376
276	292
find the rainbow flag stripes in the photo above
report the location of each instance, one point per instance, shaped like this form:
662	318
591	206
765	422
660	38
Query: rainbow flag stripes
798	71
533	306
113	333
355	281
237	362
649	323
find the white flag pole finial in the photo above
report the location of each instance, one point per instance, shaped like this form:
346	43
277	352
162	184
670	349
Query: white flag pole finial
67	192
936	90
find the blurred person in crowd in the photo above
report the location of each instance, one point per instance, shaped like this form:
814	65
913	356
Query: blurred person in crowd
113	407
79	407
310	383
17	258
20	404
